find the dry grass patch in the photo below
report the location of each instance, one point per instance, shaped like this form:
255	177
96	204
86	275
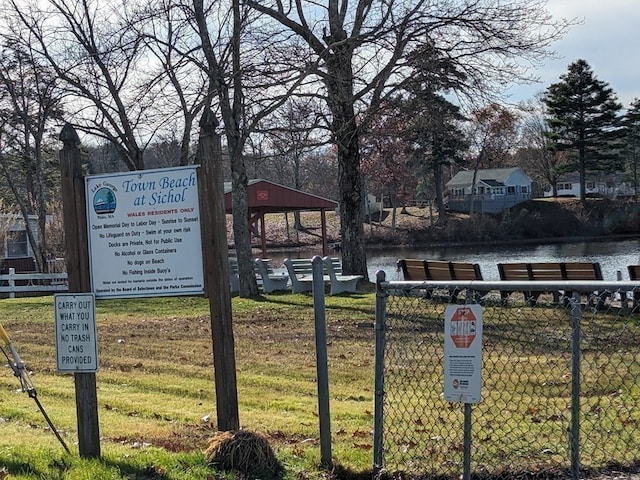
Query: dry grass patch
245	452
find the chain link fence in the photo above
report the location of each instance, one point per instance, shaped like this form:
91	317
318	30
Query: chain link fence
560	381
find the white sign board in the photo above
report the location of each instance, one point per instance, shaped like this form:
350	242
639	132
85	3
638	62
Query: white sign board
144	233
76	333
463	353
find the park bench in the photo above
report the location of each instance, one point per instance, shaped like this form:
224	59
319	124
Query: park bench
412	269
270	280
437	270
634	274
234	280
301	275
274	281
339	283
548	272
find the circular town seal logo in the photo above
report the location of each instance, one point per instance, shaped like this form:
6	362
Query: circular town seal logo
104	201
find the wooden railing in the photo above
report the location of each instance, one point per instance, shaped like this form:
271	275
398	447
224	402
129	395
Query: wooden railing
13	283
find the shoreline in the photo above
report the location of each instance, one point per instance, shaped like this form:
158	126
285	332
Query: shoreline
500	243
444	244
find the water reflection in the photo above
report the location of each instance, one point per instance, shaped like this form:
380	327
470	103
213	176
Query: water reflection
612	255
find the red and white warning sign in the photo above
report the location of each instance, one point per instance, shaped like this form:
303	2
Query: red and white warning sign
463	353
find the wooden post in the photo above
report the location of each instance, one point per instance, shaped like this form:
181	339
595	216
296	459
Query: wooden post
216	274
77	259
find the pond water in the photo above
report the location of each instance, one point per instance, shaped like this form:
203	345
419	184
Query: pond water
613	256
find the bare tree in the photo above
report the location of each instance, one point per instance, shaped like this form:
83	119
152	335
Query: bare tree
293	135
492	135
30	104
358	49
249	87
177	81
536	155
96	59
387	162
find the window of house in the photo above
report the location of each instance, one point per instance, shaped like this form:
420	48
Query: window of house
524	188
17	245
511	189
590	185
564	186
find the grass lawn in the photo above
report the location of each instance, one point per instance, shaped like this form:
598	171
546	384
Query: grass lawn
156	398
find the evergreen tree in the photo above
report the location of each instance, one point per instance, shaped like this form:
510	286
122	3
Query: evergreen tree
631	122
584	121
434	123
438	140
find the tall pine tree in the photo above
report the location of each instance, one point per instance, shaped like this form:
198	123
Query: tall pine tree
631	123
584	121
433	123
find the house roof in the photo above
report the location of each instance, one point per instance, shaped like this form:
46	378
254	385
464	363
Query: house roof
268	197
492	183
570	177
496	175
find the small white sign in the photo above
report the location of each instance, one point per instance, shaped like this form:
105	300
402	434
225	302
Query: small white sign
144	233
76	332
463	353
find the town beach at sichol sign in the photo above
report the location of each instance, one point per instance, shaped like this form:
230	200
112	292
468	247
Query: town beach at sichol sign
144	233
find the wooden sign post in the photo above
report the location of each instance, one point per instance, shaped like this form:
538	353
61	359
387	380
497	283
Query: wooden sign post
77	259
216	263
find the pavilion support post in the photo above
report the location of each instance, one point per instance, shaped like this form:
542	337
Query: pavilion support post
325	248
263	237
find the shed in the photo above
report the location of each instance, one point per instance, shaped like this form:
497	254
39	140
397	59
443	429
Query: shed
17	252
267	197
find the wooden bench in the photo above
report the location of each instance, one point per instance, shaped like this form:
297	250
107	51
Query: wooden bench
270	280
426	270
548	272
412	269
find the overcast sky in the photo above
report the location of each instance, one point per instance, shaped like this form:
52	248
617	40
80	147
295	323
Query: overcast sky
608	39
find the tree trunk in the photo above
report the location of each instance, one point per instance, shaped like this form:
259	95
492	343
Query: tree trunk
231	116
442	212
583	173
473	188
339	83
240	204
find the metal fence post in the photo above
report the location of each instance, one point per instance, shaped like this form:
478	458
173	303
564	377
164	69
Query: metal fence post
574	432
321	361
381	314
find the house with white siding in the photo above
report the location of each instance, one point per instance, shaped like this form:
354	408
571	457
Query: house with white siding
491	190
600	184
